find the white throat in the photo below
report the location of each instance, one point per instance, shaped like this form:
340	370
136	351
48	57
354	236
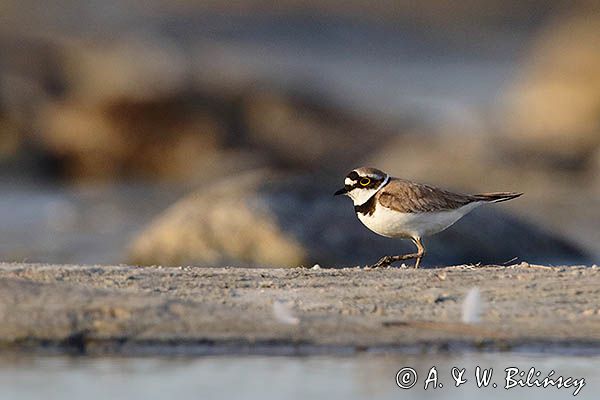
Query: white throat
360	196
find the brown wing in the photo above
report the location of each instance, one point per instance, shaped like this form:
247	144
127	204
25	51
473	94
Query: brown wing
410	197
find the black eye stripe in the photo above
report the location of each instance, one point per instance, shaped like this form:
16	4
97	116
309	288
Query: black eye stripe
353	176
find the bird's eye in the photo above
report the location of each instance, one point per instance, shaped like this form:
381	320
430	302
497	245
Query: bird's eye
365	181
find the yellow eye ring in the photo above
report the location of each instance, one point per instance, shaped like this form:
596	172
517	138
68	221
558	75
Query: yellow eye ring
365	181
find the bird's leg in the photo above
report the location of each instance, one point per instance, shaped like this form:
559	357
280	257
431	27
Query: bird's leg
420	250
387	260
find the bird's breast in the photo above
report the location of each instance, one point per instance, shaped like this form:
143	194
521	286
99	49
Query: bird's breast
391	223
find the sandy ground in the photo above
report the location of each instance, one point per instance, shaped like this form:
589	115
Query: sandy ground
194	310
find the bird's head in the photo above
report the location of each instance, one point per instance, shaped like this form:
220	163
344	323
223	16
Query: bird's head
362	183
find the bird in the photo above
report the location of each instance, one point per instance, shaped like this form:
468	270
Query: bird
399	208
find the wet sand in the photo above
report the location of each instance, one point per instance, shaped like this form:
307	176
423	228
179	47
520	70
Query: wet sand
195	310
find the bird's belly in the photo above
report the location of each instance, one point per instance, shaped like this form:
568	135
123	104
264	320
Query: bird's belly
391	223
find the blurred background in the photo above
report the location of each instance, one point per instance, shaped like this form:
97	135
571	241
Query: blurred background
215	132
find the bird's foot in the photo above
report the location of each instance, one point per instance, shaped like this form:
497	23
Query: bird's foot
383	262
388	260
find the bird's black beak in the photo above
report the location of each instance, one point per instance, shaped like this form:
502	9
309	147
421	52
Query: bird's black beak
341	191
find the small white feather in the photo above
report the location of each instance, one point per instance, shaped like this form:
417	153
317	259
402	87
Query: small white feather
283	313
472	306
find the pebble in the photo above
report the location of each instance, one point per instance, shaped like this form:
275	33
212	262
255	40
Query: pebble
441	276
316	266
576	272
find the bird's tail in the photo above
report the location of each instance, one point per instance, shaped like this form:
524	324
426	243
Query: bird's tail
497	197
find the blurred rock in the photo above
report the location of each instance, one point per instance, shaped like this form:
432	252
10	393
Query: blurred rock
470	162
176	137
554	109
459	161
219	226
137	67
595	170
135	107
10	139
121	90
159	138
269	219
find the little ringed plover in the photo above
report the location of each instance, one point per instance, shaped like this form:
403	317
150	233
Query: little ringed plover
399	208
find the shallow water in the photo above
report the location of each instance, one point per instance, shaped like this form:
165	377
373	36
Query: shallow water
259	377
76	225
